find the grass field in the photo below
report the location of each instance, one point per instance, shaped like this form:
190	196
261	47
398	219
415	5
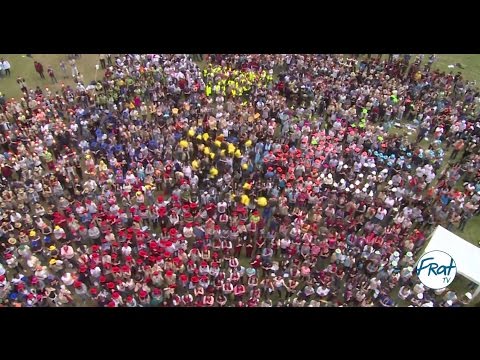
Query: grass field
470	63
22	66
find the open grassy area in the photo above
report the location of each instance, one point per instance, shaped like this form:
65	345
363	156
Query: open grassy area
469	62
22	65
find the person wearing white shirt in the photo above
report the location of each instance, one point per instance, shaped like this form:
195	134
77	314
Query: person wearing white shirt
427	304
68	279
6	66
126	250
322	291
67	252
380	215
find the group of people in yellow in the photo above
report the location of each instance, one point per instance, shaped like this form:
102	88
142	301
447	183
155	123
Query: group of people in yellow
225	81
219	147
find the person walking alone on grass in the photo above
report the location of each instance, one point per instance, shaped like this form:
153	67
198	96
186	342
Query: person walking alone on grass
63	67
23	85
39	69
52	75
6	66
102	61
73	65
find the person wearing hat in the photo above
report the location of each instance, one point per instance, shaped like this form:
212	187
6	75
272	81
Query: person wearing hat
68	279
204	281
117	299
67	253
59	233
12	261
157	278
81	290
55	265
131	301
144	298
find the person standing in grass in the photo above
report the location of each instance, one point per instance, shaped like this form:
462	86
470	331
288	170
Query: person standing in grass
6	66
73	65
79	78
63	67
23	85
39	69
102	61
52	75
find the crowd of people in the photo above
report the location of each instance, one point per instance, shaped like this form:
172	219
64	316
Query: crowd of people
257	181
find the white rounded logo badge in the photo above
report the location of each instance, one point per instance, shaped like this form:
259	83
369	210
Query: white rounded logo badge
436	269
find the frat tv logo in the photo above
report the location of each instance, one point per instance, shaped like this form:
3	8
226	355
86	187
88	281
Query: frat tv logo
436	269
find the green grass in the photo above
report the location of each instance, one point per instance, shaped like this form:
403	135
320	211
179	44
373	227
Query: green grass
22	66
470	62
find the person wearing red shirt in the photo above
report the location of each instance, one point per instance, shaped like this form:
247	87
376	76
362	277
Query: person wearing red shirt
292	250
238	248
257	262
39	69
221	300
209	300
233	263
227	288
249	249
252	282
252	302
260	243
187	299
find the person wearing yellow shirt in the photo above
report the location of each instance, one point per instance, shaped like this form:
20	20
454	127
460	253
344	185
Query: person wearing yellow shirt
47	155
